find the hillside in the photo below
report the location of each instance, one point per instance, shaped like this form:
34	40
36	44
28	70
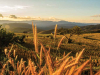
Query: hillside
47	31
91	28
44	25
20	27
16	25
88	28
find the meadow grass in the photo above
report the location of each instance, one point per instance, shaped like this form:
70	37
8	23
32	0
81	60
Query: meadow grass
46	56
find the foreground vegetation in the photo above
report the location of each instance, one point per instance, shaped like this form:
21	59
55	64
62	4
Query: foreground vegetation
52	55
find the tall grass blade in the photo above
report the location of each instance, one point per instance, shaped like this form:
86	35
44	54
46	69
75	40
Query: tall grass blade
60	42
82	67
77	59
49	63
35	40
60	70
55	31
91	72
41	56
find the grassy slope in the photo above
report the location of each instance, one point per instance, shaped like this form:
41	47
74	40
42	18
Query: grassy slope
21	30
47	31
91	42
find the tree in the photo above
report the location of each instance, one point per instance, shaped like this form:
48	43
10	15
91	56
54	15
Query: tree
63	31
76	30
25	31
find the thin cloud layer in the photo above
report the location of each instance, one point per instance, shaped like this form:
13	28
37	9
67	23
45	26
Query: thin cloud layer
38	18
96	15
94	20
14	17
9	8
14	7
2	10
50	5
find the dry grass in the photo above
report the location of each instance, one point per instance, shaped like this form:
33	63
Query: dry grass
41	56
55	31
35	39
60	42
67	65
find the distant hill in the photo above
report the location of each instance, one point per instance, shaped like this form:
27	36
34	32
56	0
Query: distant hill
47	31
16	25
90	27
20	26
43	24
22	30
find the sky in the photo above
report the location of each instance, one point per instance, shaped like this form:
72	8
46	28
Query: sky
83	11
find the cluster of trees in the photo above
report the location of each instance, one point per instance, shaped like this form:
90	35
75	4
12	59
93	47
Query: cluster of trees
75	30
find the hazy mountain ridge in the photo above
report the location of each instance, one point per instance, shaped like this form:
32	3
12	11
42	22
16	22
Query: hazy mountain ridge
43	25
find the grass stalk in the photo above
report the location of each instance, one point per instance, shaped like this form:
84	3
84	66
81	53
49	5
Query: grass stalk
55	32
35	40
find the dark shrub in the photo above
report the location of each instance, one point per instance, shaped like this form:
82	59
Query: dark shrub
5	38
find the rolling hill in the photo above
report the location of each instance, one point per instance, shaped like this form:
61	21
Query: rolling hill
20	26
90	27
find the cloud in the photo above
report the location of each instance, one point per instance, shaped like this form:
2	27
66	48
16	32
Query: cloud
9	8
38	18
14	7
53	19
1	15
13	16
96	15
22	18
50	5
2	10
94	20
25	17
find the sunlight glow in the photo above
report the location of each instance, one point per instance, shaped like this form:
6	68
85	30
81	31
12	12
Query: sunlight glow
7	26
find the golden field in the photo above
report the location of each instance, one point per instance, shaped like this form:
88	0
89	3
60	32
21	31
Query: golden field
52	54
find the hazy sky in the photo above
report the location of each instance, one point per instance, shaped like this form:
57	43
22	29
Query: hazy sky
86	11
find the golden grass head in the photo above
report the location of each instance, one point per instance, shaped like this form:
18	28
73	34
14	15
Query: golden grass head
60	42
35	39
55	31
14	53
5	50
